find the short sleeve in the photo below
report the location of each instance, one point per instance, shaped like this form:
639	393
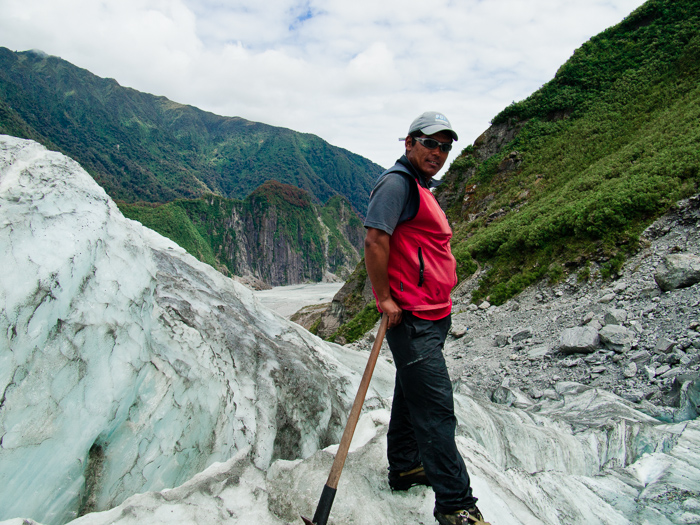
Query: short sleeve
387	202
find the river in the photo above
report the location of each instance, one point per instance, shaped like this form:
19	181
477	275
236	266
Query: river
287	300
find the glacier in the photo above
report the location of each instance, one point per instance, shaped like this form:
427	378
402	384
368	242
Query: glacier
140	385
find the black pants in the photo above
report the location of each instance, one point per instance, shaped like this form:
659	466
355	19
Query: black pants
422	426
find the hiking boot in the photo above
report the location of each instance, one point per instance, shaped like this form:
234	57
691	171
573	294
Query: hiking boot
461	517
408	479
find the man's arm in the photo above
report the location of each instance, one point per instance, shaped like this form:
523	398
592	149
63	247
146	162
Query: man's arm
377	263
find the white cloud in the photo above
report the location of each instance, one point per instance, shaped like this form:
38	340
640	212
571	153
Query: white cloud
354	73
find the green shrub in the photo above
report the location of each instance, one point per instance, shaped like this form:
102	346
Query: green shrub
358	325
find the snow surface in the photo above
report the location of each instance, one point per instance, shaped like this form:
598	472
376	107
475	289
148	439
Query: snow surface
141	386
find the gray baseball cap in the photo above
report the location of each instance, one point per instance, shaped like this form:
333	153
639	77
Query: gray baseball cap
432	122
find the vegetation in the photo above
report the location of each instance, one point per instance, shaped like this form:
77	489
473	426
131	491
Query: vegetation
171	221
602	150
143	148
283	214
358	325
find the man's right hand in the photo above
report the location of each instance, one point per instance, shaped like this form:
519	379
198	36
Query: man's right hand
392	310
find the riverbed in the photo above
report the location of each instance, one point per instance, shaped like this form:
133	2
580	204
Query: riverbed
287	300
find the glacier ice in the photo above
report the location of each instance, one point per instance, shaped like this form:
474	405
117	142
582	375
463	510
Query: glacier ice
139	385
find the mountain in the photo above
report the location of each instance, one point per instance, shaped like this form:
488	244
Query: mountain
142	386
275	235
566	180
141	147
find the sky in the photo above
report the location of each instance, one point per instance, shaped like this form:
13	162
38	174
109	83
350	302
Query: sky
354	73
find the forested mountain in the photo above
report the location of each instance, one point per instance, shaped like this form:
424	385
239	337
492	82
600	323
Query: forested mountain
141	147
567	179
275	235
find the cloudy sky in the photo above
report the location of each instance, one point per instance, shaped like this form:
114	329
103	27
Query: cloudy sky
356	73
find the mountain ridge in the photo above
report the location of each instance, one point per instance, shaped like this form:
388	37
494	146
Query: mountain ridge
144	147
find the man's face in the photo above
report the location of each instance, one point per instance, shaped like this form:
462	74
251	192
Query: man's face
427	161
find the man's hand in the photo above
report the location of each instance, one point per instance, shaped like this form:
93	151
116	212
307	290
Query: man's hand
377	263
392	310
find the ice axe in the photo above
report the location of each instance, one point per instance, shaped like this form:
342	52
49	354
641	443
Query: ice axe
328	494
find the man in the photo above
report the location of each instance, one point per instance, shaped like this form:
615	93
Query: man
412	270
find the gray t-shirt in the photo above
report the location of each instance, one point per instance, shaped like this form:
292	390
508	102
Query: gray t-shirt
394	198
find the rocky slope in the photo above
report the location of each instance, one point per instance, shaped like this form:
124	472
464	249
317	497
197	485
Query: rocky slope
635	336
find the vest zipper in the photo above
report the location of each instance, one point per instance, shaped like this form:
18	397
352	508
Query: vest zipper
421	266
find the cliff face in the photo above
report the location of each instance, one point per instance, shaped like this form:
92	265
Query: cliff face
276	236
458	187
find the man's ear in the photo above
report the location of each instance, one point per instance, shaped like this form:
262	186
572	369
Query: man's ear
409	142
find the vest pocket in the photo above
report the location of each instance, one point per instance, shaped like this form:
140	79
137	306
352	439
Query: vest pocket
421	266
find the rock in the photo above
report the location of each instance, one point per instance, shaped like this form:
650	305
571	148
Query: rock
641	357
672	373
615	316
678	270
588	318
663	346
630	370
505	395
636	327
501	340
617	338
550	393
570	363
458	331
621	286
635	396
649	293
538	351
595	324
484	305
661	370
580	339
607	298
520	335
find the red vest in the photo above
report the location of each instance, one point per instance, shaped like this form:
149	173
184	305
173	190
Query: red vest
422	270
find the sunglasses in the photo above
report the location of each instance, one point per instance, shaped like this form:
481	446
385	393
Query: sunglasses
432	144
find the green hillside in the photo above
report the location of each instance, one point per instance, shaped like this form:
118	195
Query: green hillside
141	147
274	234
567	179
588	161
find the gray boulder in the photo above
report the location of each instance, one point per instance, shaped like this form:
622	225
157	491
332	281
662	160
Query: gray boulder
579	340
617	338
524	333
678	270
630	370
501	340
615	316
663	346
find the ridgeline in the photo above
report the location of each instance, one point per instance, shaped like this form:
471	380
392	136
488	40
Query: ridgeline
141	147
